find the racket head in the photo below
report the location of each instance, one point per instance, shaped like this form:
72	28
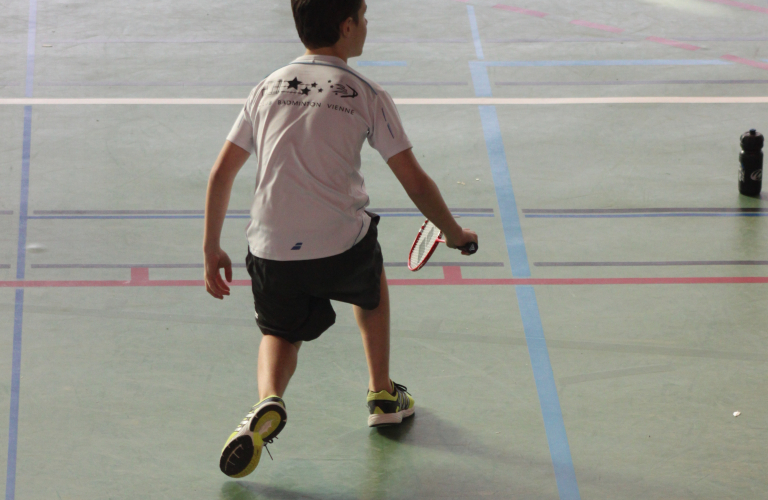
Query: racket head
424	245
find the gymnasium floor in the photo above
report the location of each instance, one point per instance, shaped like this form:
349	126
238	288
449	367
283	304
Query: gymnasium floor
597	346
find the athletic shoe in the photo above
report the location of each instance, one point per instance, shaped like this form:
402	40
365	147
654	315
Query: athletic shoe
390	408
242	450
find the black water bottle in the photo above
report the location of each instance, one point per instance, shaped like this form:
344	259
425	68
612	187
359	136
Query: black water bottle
751	160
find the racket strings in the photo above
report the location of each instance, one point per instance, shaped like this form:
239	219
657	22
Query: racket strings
421	250
425	241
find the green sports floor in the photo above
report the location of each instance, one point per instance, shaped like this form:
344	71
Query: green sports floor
597	346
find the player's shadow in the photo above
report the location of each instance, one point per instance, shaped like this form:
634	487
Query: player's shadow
246	490
427	430
434	458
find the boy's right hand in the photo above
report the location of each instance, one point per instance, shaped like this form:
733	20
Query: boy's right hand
466	236
214	284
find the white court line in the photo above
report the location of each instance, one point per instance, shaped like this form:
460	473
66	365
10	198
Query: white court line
587	100
110	101
475	101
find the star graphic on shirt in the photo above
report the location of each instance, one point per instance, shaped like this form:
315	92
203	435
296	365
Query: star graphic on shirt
305	91
314	85
294	84
319	90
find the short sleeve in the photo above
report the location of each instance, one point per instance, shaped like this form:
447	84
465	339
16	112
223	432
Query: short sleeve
387	135
242	131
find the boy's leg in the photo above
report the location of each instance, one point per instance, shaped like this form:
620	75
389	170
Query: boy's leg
388	403
242	451
277	363
374	327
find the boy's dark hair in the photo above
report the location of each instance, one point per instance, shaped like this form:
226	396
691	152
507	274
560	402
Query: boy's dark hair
318	21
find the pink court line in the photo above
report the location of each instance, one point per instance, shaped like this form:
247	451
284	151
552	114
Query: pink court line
748	62
673	43
741	5
612	29
451	277
519	10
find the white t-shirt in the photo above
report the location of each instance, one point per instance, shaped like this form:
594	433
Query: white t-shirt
307	123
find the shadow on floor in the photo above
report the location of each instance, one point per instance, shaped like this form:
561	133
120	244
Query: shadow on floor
434	458
246	490
427	430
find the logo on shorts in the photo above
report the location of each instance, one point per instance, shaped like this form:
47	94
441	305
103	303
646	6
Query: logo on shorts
297	246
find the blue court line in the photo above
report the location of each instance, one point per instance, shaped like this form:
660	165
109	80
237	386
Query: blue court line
475	32
24	203
18	314
13	426
382	63
64	217
518	257
480	79
559	450
554	426
621	216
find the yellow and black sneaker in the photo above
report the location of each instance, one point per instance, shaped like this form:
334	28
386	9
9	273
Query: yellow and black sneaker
242	450
390	408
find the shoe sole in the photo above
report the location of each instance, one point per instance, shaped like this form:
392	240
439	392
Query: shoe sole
269	421
384	419
241	455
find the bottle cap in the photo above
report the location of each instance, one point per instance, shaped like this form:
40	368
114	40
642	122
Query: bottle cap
752	140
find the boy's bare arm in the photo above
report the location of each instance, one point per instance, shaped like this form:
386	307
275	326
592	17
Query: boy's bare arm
231	159
426	196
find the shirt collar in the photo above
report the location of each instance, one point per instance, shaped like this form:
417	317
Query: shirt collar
337	61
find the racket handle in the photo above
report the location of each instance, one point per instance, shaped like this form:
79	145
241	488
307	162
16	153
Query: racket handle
470	248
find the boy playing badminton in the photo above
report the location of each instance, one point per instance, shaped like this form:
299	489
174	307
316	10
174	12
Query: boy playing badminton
310	238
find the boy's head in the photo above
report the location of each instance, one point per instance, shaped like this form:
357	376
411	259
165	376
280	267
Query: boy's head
324	23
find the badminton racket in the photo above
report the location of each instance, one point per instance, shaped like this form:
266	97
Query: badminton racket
426	243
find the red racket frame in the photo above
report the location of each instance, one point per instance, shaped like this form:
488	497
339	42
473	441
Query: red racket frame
431	250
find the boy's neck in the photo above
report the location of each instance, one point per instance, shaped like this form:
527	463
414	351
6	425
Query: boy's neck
328	51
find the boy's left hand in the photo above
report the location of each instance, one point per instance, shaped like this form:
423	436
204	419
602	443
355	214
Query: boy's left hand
214	284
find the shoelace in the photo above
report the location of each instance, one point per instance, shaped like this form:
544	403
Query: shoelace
269	441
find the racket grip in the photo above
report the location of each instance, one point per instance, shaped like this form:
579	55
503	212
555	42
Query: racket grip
470	248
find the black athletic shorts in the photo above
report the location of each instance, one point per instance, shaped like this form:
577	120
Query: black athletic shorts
293	298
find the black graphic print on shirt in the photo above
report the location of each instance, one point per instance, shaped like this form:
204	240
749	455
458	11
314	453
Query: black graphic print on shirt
296	86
